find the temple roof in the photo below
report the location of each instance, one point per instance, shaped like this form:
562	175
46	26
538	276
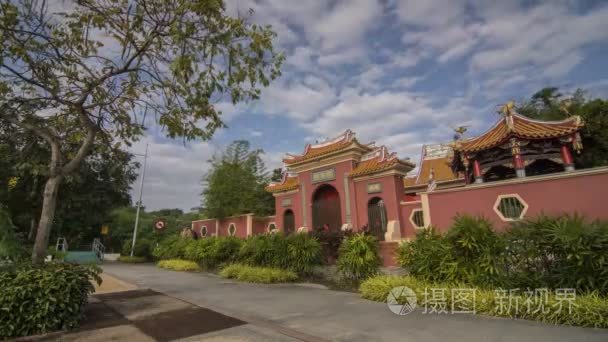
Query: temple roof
341	142
379	160
436	159
288	182
515	125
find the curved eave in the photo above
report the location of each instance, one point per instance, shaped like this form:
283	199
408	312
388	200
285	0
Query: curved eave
371	168
523	128
311	156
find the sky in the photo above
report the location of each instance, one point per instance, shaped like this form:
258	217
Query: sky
401	73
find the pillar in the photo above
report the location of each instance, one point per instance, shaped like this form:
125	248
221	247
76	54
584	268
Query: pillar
518	164
567	159
518	160
477	172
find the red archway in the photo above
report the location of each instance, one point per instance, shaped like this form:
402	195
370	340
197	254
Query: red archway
326	208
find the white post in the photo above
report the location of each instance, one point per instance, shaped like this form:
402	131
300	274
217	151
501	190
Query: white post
141	191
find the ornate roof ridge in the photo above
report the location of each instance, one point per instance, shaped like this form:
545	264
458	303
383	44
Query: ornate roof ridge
520	126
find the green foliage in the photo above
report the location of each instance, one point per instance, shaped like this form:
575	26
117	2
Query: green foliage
132	259
60	83
330	242
10	246
552	252
304	253
428	256
45	298
143	248
549	104
477	251
179	265
265	250
236	183
213	252
358	257
588	310
556	252
102	181
253	274
172	247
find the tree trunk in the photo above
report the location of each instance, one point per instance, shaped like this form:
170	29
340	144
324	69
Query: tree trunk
47	214
30	236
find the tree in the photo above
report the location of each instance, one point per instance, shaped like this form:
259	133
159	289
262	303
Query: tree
103	182
105	66
549	104
236	183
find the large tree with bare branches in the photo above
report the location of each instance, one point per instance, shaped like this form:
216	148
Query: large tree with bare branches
94	70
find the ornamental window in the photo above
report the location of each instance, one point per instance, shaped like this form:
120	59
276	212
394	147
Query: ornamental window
231	229
204	231
510	207
417	218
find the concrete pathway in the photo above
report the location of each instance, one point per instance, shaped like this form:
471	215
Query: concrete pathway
308	313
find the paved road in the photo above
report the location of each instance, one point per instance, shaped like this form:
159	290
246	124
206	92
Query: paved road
310	313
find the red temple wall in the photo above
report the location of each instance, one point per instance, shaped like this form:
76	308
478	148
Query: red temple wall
295	206
389	195
210	224
260	224
584	192
408	231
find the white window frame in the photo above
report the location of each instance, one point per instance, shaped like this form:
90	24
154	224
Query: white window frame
268	227
232	225
414	222
206	231
508	219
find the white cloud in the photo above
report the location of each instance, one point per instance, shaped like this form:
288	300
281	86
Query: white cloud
173	173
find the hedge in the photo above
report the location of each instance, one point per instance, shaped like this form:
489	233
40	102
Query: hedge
45	298
253	274
553	252
588	310
179	265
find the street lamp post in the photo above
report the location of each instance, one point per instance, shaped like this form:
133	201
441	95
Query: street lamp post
141	191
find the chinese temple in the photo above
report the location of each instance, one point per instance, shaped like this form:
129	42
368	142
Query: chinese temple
518	168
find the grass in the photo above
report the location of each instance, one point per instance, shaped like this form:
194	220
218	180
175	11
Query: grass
588	310
254	274
179	265
132	259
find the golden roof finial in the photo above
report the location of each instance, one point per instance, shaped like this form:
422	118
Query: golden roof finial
507	108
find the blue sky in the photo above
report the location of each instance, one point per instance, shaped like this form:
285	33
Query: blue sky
397	72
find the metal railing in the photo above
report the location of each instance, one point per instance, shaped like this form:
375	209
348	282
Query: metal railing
98	248
62	245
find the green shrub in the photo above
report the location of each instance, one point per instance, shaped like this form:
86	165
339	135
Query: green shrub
265	250
212	252
588	310
45	298
199	250
143	248
254	274
132	259
330	242
304	253
477	250
10	245
556	252
179	265
225	250
358	257
428	256
172	247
